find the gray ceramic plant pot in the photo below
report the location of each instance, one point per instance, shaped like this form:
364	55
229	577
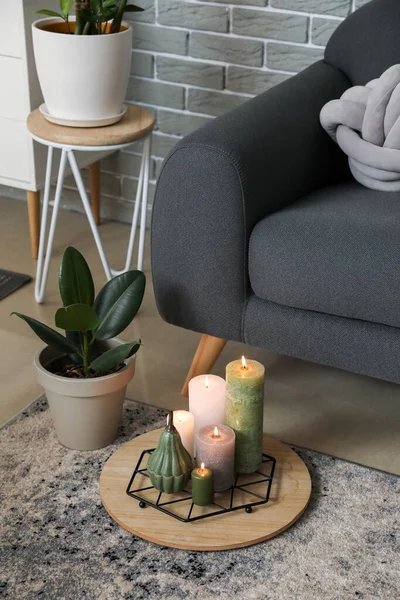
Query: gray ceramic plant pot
86	412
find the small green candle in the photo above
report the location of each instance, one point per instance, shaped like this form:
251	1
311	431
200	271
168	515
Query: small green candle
245	411
202	486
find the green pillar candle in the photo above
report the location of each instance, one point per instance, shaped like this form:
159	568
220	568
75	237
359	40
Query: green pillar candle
202	486
245	411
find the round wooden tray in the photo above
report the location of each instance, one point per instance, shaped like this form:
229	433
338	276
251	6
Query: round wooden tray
290	493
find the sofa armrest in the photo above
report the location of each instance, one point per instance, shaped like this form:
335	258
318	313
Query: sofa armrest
219	181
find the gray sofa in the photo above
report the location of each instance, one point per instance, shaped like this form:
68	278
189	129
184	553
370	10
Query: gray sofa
259	233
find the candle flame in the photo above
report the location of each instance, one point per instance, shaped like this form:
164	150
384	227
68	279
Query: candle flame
216	432
244	363
206	381
202	466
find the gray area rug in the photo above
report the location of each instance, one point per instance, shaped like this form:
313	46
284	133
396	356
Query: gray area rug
11	281
58	542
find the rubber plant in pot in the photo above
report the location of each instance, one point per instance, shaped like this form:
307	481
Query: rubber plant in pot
85	373
83	61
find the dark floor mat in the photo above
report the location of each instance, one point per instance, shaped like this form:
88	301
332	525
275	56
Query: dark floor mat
10	281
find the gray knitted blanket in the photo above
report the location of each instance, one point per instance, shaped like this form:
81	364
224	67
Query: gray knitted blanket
365	122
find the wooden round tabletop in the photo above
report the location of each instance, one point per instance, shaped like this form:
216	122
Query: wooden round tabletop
290	494
134	125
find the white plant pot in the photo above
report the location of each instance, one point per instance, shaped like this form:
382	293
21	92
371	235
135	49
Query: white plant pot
82	77
86	412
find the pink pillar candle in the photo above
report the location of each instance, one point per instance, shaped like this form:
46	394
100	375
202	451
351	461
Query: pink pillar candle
207	401
215	447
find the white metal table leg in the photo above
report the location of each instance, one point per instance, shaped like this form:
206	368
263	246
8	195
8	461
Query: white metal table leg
135	216
88	210
67	153
146	159
141	200
43	270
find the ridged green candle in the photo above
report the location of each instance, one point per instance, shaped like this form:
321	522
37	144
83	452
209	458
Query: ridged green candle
245	412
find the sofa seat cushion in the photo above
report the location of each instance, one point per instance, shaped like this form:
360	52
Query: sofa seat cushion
337	251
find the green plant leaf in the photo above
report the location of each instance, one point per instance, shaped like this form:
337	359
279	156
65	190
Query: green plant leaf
49	13
76	339
79	21
103	16
133	8
49	336
94	350
116	24
76	317
118	302
112	358
98	11
75	279
66	7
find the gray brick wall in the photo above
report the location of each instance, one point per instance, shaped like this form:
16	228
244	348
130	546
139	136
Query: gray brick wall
193	60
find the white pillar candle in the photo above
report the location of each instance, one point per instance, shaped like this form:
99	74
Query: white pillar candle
184	423
207	400
215	447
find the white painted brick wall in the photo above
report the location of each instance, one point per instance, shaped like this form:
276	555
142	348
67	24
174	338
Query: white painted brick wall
193	60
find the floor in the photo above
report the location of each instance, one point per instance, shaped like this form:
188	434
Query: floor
325	409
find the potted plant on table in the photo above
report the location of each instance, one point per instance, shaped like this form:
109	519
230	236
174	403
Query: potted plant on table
85	373
83	61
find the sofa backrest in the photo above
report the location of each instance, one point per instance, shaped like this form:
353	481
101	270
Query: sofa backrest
367	42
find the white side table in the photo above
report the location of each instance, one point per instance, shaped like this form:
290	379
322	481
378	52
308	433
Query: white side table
137	124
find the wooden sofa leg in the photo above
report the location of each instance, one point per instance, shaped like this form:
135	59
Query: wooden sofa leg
207	352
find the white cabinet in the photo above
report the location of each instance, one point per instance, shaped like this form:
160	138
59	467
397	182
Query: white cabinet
20	164
14	94
12	28
15	154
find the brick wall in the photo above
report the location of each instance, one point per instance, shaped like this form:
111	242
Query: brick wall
193	60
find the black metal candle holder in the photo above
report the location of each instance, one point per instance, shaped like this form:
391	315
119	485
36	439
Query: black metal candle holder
240	487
